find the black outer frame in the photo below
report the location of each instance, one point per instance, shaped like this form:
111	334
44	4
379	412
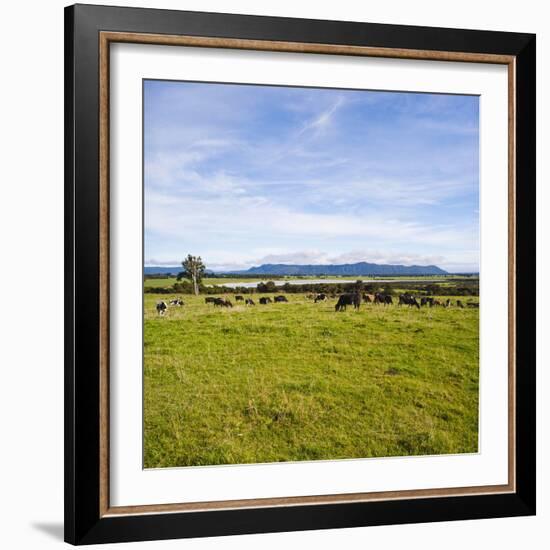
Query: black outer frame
83	524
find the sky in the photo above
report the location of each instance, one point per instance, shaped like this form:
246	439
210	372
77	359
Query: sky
243	175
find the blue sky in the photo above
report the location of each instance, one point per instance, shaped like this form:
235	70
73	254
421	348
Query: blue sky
243	175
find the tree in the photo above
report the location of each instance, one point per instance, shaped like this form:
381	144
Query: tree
266	287
193	269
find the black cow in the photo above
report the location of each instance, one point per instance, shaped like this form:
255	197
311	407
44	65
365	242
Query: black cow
409	300
459	304
222	303
280	299
265	300
249	302
321	298
161	308
348	300
385	299
239	299
472	304
210	300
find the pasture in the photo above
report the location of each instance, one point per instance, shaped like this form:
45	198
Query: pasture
298	381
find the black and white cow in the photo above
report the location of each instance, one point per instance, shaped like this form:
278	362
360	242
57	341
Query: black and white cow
409	300
161	308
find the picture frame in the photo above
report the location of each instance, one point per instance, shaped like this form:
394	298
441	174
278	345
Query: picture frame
90	31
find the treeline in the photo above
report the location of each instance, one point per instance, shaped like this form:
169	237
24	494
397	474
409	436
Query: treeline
186	287
462	288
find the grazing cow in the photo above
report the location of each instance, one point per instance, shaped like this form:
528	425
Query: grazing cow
249	302
265	300
424	301
368	298
472	304
210	300
348	300
435	303
448	302
321	298
177	302
161	308
222	303
409	300
280	299
385	299
239	299
459	304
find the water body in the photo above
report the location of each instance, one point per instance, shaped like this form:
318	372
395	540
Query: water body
254	284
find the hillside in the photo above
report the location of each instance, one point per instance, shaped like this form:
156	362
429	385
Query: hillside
360	268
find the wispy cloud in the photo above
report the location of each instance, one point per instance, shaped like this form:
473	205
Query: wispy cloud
322	120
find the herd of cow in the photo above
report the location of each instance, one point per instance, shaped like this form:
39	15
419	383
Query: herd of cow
247	301
355	299
349	299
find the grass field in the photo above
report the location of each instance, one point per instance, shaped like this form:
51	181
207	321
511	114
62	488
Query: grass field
299	381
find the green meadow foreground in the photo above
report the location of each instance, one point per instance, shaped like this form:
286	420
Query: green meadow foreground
299	381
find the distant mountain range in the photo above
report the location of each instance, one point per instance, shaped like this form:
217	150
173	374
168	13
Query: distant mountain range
360	268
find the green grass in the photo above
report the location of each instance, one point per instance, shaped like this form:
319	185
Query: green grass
299	381
165	282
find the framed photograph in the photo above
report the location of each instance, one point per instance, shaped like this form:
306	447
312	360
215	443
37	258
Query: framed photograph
300	274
